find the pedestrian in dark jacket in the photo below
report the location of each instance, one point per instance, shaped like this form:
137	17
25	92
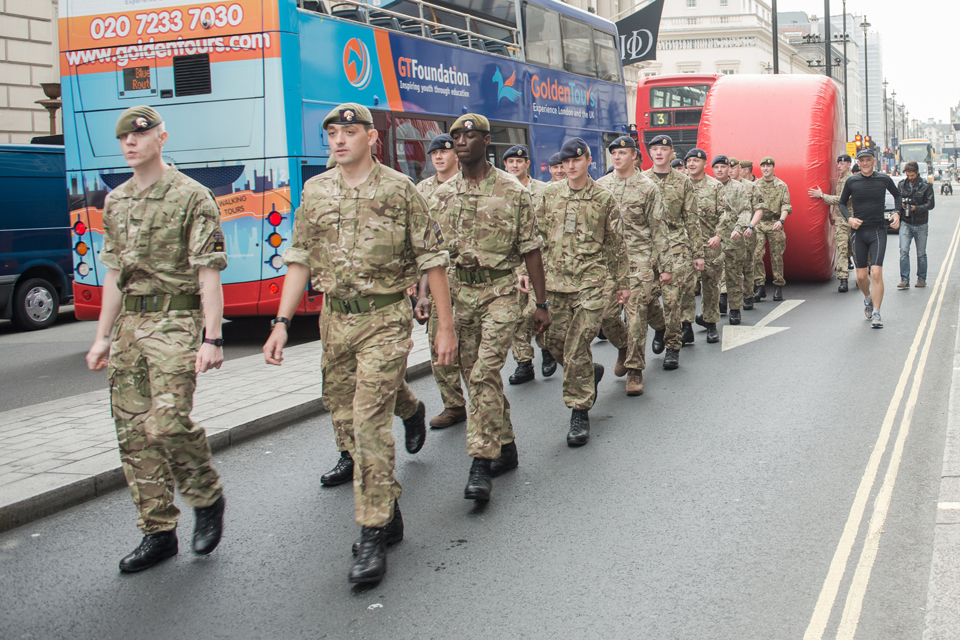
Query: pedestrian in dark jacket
917	201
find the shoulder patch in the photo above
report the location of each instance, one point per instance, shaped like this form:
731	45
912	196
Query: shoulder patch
437	232
218	241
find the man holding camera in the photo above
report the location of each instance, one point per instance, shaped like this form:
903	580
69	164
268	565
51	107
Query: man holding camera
918	200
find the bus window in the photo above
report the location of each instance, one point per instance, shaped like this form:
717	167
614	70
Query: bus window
502	138
577	47
685	96
608	57
543	37
413	136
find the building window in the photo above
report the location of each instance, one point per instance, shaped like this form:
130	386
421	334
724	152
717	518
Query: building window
723	3
728	72
691	4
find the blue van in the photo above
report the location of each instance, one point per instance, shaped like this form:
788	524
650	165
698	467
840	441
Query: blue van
36	264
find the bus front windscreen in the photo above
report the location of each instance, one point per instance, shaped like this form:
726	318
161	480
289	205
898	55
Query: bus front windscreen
915	153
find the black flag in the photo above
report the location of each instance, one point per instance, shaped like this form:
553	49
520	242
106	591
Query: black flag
638	34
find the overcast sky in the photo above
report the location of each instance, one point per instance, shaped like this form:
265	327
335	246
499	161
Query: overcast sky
920	52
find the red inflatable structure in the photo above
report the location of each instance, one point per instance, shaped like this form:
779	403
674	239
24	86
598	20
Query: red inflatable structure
798	120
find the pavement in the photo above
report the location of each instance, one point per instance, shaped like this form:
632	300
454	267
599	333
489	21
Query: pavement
57	454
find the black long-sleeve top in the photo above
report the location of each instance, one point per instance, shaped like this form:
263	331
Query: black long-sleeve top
868	198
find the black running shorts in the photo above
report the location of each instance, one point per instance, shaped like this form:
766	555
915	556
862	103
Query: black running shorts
870	243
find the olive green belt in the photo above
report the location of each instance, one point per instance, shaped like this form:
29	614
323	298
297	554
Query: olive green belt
363	305
161	302
482	276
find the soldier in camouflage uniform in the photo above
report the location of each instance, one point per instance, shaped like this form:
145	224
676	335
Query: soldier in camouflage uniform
645	238
556	168
775	199
584	249
516	160
163	250
686	250
747	179
361	234
841	229
489	227
733	245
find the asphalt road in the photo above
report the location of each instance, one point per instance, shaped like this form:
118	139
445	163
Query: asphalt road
38	366
711	507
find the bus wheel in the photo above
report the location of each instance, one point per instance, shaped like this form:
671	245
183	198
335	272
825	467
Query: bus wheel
35	305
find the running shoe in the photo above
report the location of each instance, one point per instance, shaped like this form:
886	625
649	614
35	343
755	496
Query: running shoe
876	323
868	308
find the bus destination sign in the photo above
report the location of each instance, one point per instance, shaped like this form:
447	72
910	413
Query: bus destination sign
136	79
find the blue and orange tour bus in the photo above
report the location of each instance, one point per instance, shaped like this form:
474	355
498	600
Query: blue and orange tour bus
243	86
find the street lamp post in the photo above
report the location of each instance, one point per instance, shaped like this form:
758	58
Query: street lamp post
885	142
846	117
776	41
826	37
866	73
893	100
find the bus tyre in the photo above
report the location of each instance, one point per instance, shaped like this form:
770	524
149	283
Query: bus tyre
35	305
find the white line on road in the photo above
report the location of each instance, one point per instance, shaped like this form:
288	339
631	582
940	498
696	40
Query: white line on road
735	336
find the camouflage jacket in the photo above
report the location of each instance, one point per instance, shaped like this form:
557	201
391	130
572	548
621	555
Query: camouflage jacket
487	226
584	238
717	217
536	188
774	198
427	186
677	193
835	199
739	200
644	228
371	239
753	195
160	237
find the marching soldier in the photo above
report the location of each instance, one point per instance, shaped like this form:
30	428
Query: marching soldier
361	233
645	237
686	248
746	178
733	246
841	229
556	168
517	162
775	198
716	219
489	226
159	327
584	248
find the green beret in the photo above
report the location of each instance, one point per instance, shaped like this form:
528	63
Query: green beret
747	164
733	161
348	113
471	122
767	160
141	118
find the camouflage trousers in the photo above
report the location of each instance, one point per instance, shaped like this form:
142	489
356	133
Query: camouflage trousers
841	236
734	254
364	361
709	291
152	381
611	318
667	317
447	377
778	243
576	322
487	317
523	336
642	295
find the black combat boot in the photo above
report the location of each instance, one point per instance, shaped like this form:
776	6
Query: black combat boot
686	333
723	303
734	317
392	533
507	461
672	359
777	293
524	373
579	433
208	527
759	292
600	335
416	429
712	335
843	288
153	548
341	473
699	320
549	366
479	483
657	344
371	563
748	303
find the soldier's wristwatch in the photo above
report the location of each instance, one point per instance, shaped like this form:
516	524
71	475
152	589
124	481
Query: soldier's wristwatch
543	305
280	320
217	342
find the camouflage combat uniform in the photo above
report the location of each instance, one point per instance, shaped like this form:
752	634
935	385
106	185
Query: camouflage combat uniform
775	199
522	347
841	228
360	243
734	251
446	376
645	237
716	219
750	244
487	228
686	245
158	239
584	249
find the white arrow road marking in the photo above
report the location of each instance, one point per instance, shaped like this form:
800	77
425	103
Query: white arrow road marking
736	335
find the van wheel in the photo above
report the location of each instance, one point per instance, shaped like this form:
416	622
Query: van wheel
35	305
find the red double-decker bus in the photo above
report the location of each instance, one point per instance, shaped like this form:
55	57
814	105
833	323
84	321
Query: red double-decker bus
671	105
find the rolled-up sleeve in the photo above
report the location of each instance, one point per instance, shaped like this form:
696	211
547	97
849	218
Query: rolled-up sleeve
206	246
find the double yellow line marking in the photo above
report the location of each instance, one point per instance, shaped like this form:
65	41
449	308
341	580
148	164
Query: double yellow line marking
861	577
